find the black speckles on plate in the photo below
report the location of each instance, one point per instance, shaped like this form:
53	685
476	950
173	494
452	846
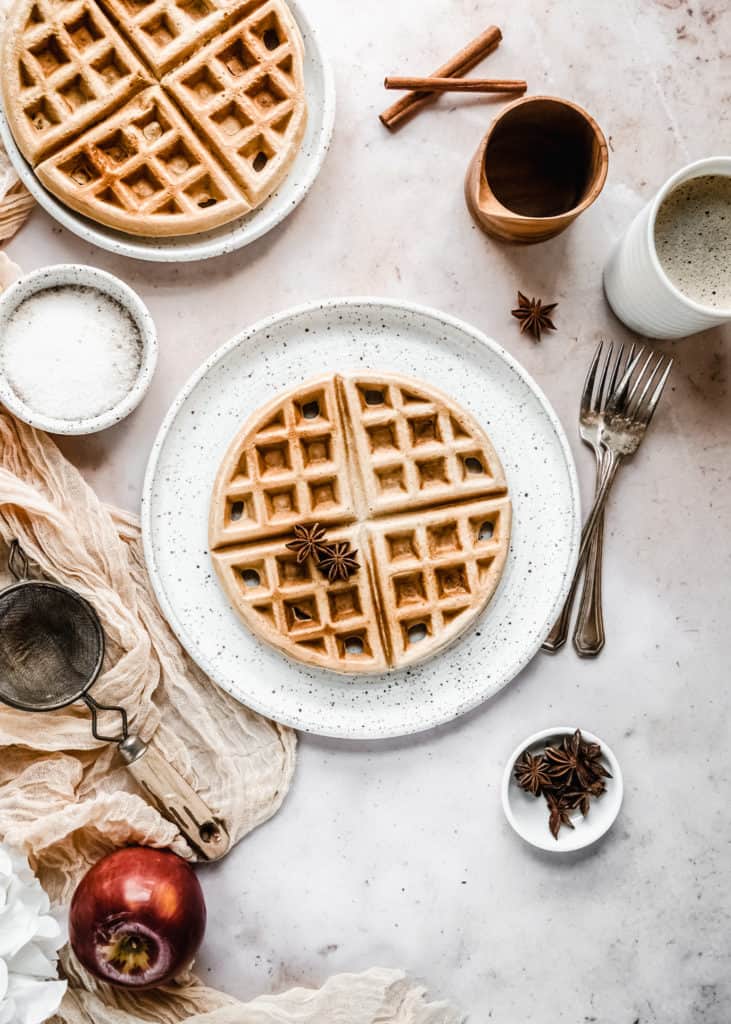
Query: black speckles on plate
348	333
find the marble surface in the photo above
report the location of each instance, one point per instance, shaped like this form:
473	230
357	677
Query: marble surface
397	853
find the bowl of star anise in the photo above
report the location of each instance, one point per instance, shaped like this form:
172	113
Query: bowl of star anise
562	789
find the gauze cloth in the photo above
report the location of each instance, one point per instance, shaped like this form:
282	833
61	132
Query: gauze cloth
66	800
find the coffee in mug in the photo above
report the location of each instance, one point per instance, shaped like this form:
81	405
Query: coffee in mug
670	275
693	239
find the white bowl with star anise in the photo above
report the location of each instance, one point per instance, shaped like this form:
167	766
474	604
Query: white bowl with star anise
562	789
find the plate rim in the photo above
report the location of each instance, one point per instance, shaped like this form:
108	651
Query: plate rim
126	245
265	324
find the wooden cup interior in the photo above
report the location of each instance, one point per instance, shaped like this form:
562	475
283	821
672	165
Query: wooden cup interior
544	158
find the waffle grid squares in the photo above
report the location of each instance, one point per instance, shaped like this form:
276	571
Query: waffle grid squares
233	67
243	91
290	471
426	572
71	64
328	621
410	447
432	567
159	165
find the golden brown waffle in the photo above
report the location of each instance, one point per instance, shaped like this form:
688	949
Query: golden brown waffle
225	75
165	32
144	162
64	67
243	88
292	605
399	471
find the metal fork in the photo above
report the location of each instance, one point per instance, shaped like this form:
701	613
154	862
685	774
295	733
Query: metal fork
589	629
626	417
594	398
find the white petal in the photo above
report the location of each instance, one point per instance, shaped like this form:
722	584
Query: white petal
32	961
7	1011
35	1001
17	926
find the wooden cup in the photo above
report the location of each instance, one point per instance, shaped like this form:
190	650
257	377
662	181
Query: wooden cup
543	161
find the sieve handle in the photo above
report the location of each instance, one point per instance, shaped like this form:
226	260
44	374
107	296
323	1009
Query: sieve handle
175	799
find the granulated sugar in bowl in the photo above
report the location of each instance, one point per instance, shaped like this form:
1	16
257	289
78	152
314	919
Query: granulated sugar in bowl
77	349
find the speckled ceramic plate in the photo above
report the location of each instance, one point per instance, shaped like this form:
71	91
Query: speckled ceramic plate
350	334
320	89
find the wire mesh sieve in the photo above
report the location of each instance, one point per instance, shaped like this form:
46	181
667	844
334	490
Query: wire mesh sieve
51	646
51	653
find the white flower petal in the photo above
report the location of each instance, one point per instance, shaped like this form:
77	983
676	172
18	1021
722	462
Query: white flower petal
31	960
7	1011
17	926
35	1001
31	932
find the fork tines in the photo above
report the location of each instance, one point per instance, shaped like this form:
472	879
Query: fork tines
634	396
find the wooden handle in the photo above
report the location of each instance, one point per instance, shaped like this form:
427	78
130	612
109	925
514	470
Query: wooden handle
456	84
175	799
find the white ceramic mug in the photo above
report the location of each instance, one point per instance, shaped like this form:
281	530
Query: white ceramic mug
635	284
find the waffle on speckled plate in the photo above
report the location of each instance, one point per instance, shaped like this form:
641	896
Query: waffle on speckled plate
401	473
225	77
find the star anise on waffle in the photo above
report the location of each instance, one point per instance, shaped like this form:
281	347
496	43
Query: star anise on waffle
338	562
558	813
534	316
531	775
309	542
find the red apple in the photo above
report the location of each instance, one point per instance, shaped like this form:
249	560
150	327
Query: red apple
137	917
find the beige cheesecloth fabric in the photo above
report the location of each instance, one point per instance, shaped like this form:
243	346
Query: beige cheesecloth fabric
64	798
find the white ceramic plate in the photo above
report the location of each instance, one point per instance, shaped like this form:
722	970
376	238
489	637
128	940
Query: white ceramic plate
320	88
347	334
528	815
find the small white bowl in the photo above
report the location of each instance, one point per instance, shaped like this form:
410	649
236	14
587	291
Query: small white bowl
529	814
75	274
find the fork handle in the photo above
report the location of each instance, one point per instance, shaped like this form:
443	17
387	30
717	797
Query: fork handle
589	629
557	637
559	634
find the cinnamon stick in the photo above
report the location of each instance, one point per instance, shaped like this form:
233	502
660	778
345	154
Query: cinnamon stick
459	65
456	84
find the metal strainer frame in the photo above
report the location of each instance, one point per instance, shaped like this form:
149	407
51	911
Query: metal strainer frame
172	795
18	566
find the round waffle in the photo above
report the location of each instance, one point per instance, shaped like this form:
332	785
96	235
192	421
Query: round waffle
389	465
156	117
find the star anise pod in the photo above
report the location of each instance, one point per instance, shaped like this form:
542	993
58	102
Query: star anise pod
558	813
531	775
309	542
534	316
582	796
564	760
568	762
592	757
338	562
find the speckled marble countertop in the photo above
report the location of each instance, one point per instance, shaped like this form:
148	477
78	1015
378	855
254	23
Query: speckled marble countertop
397	853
